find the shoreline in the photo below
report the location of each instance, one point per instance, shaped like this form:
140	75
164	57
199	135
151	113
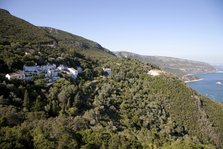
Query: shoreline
193	80
219	72
208	72
199	79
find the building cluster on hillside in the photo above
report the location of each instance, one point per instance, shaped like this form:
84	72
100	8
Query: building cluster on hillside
50	71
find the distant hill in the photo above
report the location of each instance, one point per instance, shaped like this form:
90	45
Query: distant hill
177	66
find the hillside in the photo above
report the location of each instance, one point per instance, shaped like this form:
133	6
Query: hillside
15	31
84	46
179	67
126	108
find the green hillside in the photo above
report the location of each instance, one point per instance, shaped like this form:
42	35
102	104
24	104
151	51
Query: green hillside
82	45
126	109
19	33
65	38
13	29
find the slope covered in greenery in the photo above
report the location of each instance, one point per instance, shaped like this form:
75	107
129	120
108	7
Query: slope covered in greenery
126	109
13	29
18	33
83	45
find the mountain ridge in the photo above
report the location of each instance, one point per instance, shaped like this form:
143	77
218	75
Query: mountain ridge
180	67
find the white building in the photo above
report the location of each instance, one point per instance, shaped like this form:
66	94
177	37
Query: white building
48	66
17	75
73	72
107	70
52	72
49	70
34	68
62	67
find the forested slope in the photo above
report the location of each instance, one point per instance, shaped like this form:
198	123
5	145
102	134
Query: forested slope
126	109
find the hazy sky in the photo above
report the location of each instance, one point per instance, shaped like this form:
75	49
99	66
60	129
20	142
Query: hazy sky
191	29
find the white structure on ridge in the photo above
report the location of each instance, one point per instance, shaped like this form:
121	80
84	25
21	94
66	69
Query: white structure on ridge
73	72
155	72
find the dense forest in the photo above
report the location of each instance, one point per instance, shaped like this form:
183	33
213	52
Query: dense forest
125	109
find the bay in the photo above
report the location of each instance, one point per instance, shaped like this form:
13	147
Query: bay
210	85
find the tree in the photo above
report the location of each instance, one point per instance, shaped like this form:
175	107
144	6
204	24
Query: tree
63	96
68	103
67	93
88	74
55	108
77	100
37	106
26	101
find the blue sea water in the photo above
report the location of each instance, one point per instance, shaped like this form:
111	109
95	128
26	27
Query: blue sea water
208	87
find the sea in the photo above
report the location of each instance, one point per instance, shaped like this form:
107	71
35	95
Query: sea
210	85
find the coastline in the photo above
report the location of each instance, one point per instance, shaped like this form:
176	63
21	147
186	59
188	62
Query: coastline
199	79
210	86
194	78
193	81
219	71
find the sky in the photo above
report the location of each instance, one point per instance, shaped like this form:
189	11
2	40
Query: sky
191	29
